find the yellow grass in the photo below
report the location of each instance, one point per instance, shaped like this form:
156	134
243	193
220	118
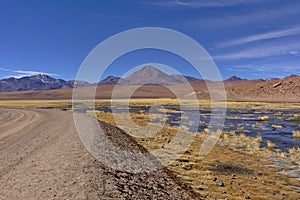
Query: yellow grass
200	174
264	118
276	126
270	145
250	161
55	104
295	155
138	102
296	134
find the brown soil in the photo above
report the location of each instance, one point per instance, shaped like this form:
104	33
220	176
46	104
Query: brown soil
41	157
286	90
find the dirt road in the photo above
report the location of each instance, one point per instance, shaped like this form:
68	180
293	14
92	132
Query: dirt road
41	157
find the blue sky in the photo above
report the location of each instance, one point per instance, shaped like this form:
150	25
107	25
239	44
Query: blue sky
248	38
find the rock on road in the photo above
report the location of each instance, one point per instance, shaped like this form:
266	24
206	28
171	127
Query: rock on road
41	157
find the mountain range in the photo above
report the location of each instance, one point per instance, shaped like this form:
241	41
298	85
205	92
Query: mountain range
148	75
37	82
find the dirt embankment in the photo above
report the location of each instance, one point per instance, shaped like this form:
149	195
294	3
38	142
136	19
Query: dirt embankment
285	90
41	157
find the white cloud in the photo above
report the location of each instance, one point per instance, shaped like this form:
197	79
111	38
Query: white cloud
265	71
3	69
30	73
22	73
201	3
295	52
262	50
263	36
259	16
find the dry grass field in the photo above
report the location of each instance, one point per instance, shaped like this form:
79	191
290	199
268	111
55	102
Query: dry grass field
249	172
225	172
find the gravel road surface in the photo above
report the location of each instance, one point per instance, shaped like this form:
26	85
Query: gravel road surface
41	157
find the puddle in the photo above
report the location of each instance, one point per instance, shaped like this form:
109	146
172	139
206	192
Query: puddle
272	125
277	128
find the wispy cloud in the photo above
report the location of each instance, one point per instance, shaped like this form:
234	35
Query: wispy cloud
259	16
201	3
265	71
295	52
263	36
22	73
263	50
3	69
30	73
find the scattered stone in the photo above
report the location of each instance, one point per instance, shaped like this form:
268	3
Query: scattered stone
220	184
184	160
188	152
233	176
276	85
189	167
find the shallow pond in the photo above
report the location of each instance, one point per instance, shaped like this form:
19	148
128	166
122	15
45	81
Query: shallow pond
276	126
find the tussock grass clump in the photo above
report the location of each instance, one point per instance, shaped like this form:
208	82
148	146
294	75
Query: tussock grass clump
235	141
270	145
278	114
296	134
276	126
281	154
296	115
257	126
295	154
240	128
264	118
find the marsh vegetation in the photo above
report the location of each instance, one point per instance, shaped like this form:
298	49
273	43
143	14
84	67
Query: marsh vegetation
257	155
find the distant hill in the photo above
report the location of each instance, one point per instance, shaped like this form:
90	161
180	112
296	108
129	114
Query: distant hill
272	79
233	79
37	82
148	75
259	80
286	89
291	76
111	80
236	78
79	83
183	79
145	76
154	81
